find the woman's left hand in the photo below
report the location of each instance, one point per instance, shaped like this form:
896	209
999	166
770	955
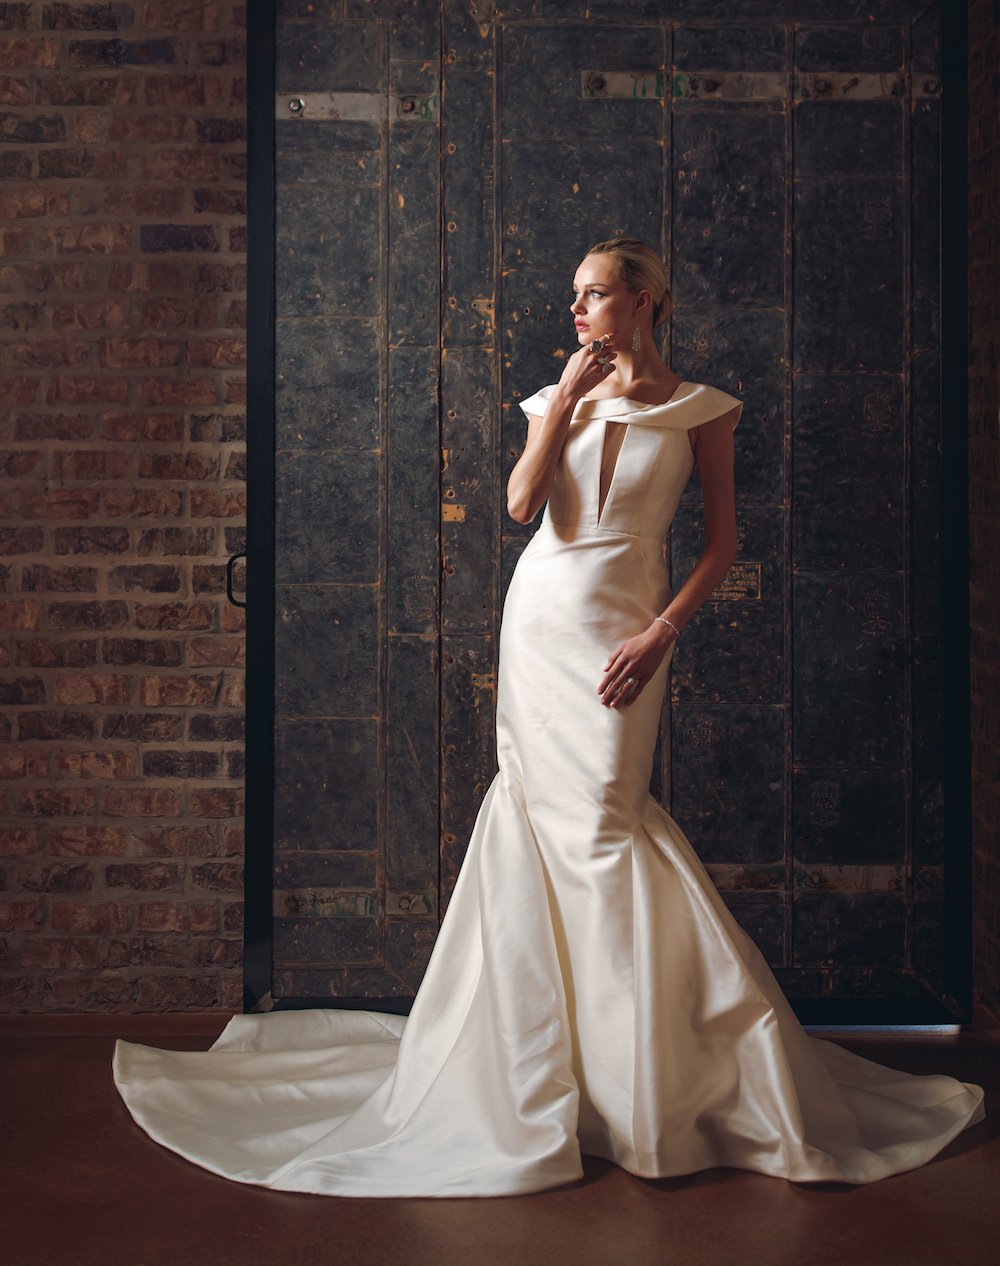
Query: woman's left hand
638	659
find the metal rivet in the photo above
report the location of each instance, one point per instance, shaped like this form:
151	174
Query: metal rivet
296	105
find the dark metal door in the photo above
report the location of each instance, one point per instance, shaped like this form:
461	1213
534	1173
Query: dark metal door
436	171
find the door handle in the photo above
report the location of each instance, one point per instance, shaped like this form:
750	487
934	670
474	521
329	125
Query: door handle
231	563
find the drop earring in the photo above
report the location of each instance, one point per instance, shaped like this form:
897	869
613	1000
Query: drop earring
636	339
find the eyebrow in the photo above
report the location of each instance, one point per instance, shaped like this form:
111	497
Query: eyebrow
587	285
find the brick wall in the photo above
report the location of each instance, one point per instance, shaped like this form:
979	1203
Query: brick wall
122	300
984	488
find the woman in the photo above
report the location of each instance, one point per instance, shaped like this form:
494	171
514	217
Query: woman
589	991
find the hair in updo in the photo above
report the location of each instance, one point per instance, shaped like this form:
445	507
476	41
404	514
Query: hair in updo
640	268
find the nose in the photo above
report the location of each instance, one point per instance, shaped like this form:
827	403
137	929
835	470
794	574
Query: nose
577	306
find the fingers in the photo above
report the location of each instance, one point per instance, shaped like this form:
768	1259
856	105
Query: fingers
620	685
602	353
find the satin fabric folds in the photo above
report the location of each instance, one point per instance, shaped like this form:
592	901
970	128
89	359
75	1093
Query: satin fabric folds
589	991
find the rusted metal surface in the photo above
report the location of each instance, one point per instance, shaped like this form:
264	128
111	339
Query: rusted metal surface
446	171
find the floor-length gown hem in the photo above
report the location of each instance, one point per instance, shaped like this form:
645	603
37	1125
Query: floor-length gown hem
589	992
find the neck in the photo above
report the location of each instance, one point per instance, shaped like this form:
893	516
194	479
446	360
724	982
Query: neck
642	366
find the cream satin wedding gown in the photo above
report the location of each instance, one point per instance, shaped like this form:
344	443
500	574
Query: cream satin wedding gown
589	991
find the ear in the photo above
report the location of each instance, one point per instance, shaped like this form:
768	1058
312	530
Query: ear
643	301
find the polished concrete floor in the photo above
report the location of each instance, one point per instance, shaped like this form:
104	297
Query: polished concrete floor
84	1186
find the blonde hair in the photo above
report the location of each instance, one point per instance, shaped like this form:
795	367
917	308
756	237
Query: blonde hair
640	268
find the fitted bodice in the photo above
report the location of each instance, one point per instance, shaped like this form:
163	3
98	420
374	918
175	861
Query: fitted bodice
653	465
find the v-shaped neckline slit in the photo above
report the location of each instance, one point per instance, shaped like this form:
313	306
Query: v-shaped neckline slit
603	505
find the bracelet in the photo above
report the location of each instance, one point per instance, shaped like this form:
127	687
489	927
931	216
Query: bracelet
669	624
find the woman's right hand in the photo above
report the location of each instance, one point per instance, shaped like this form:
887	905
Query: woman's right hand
585	369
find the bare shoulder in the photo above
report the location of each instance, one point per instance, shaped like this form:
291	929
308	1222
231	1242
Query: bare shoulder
717	430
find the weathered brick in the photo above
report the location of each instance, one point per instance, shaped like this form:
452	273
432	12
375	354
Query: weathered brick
103	239
90	540
161	128
183	391
147	200
22	690
57	877
55	725
31	129
206	727
174	615
95	90
176	540
20	613
87	615
40	578
44	652
53	426
95	917
178	691
127	353
209	503
140	650
220	876
21	540
90	464
80	163
20	463
87	17
215	201
218	428
187	466
149	951
106	765
142	727
20	916
86	841
15	90
216	802
180	764
178	237
176	841
22	316
66	953
167	993
219	953
59	503
15	165
176	916
105	688
19	390
214	278
118	52
46	802
144	577
23	763
85	390
142	278
19	841
90	314
143	876
143	426
223	651
141	802
219	353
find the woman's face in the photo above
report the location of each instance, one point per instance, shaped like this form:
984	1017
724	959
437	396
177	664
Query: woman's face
602	303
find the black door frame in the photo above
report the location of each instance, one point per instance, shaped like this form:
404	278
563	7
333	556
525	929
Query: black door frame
956	1004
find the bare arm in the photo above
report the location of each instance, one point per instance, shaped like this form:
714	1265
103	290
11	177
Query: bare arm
531	479
714	455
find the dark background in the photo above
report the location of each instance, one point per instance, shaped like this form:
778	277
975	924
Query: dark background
816	748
